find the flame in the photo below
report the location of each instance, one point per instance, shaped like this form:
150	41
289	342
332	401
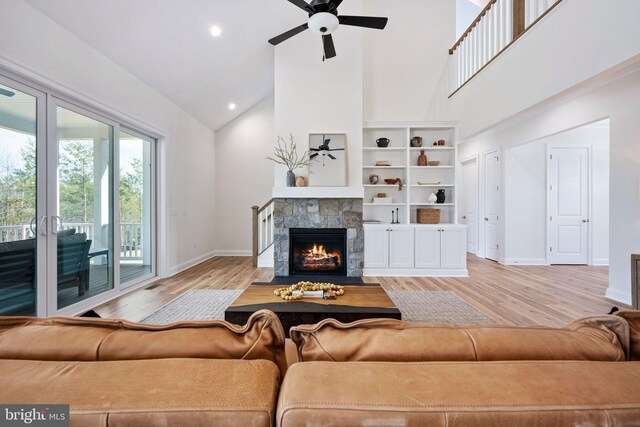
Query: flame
318	252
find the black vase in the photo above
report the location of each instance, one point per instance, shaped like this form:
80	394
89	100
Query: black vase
441	196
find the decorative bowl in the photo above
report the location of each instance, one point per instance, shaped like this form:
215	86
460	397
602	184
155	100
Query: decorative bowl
434	163
391	181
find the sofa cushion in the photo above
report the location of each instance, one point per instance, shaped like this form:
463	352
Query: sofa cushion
522	393
633	318
84	339
393	340
167	392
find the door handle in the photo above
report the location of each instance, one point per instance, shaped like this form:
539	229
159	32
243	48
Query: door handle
486	219
585	220
55	220
464	217
42	226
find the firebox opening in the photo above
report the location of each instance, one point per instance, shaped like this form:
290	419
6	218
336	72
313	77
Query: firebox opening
317	251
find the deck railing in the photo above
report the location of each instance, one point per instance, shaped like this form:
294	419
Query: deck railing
262	229
131	238
499	24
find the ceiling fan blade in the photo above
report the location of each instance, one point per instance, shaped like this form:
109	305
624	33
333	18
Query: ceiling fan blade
334	5
287	35
303	5
331	157
313	156
364	21
329	48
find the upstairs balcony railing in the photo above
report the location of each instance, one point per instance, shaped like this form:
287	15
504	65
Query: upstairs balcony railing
498	26
131	244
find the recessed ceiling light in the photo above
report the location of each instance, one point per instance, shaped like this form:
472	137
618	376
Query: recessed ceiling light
232	106
216	31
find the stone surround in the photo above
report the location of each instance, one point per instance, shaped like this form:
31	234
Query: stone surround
318	213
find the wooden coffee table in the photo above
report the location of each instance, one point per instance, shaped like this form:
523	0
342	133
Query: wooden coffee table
359	302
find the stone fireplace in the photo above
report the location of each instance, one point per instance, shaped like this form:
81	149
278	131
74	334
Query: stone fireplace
334	224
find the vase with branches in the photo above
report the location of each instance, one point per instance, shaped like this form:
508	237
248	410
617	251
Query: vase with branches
286	154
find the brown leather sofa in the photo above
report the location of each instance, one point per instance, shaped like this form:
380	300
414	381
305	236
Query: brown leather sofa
372	372
387	372
116	373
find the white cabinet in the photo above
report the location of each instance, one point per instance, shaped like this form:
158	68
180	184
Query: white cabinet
388	246
453	251
415	250
376	247
401	247
427	247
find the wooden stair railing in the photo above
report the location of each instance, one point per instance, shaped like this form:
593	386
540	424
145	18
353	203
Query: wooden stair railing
497	27
262	229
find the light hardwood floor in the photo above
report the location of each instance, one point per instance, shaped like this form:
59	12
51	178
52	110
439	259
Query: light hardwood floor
517	295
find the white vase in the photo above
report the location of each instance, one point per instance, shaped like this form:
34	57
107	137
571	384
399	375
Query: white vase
432	198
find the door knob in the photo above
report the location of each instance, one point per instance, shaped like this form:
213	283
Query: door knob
464	217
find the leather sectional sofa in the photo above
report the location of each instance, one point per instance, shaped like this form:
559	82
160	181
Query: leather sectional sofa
372	372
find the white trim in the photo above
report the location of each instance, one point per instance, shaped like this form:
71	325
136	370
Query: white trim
190	263
318	192
238	253
600	262
525	261
618	295
408	124
415	272
473	159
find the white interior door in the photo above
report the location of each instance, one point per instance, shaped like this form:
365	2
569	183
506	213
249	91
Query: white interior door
470	203
568	171
492	204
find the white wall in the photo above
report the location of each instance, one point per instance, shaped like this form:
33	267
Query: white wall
312	96
526	195
615	97
406	66
35	45
576	41
466	12
244	177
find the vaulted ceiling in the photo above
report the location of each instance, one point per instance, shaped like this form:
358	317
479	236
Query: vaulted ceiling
168	45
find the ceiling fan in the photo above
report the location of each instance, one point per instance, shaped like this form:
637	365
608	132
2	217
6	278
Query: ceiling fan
324	20
325	150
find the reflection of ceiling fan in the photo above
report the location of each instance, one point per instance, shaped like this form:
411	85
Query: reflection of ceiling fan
325	150
324	20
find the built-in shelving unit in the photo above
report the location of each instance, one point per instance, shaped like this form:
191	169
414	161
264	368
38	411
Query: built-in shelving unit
404	165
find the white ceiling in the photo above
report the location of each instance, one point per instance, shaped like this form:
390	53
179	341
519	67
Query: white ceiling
168	45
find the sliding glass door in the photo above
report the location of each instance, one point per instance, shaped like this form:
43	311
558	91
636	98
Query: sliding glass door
137	200
21	204
81	206
77	204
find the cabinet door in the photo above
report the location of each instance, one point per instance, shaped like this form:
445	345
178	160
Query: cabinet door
401	247
453	242
376	248
427	247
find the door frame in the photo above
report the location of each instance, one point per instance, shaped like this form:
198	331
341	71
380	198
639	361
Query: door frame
500	216
560	145
463	163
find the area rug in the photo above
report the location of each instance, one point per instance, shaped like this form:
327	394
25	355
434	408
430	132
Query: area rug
441	307
196	304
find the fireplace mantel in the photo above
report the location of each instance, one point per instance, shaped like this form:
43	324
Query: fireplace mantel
318	192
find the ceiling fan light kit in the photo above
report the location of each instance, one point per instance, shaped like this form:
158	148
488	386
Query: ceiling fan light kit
324	20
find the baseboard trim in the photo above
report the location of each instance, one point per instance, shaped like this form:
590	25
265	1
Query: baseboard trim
223	252
415	272
618	295
188	264
525	261
600	262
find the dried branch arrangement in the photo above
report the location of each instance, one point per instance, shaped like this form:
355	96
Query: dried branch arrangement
287	154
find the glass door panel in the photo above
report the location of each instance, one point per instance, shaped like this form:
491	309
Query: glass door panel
18	203
83	225
136	201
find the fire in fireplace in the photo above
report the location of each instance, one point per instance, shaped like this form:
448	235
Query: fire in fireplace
317	251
